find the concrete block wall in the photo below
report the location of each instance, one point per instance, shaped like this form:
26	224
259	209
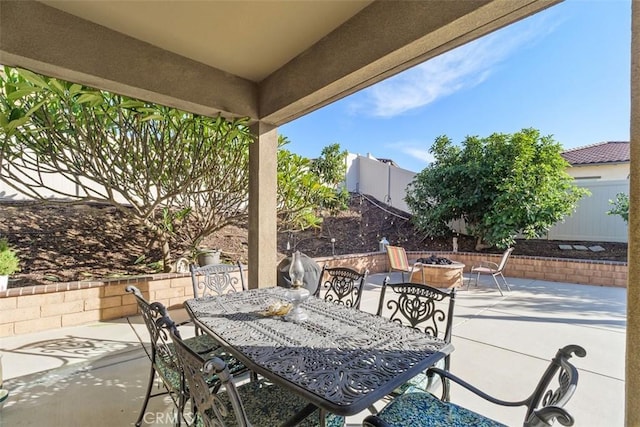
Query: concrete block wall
38	308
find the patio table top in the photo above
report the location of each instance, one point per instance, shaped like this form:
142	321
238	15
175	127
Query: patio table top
340	359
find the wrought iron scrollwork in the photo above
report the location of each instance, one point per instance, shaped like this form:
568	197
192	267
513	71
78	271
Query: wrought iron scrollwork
339	353
342	285
215	280
195	371
417	306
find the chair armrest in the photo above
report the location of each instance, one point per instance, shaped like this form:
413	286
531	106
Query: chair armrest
445	374
544	417
486	264
186	322
489	264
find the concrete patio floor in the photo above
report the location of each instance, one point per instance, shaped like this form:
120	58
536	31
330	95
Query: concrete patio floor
96	374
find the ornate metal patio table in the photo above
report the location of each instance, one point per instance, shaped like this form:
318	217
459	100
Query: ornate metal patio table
341	360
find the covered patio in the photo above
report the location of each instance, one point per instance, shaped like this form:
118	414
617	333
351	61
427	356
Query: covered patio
76	376
275	62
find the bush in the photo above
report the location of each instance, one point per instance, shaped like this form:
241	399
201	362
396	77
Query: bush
620	206
501	186
8	259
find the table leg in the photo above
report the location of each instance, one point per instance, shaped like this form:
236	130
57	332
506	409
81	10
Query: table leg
301	415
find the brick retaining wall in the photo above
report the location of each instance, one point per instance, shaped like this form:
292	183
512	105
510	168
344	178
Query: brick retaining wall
38	308
586	272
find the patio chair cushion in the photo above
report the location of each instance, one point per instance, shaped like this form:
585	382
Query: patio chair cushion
419	409
203	345
208	347
268	405
397	258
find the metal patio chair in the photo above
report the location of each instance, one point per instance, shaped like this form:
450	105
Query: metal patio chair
426	309
342	285
488	267
544	406
163	361
398	261
216	279
259	403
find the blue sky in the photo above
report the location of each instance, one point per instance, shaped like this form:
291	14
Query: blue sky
564	71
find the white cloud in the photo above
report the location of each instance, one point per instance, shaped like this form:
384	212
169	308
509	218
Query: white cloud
415	149
421	154
458	69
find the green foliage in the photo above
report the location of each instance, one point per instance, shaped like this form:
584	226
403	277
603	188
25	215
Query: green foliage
330	167
306	187
9	262
620	206
183	175
500	186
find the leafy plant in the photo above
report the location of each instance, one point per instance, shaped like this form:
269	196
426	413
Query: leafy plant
181	175
9	262
620	206
501	185
330	168
305	186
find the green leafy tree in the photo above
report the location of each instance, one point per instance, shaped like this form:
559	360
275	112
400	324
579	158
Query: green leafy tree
306	186
331	168
181	175
620	206
500	186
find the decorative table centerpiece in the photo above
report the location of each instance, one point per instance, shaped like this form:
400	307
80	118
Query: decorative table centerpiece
297	294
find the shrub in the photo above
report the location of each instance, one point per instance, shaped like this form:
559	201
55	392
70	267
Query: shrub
8	259
620	206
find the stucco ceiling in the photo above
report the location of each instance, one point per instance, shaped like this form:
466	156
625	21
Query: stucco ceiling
250	39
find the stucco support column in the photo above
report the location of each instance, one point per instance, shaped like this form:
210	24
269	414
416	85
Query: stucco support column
263	162
632	372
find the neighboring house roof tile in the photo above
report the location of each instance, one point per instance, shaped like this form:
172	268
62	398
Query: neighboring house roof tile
603	152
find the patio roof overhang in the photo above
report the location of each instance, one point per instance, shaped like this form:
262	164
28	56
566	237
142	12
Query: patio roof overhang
271	61
274	62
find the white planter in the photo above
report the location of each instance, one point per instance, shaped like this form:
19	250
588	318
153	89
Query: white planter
4	280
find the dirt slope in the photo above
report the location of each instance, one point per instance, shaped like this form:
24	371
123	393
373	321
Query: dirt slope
65	243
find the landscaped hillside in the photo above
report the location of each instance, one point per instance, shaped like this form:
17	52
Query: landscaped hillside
65	243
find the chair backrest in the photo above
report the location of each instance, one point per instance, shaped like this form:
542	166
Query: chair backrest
211	408
342	285
397	258
505	258
216	279
546	404
420	306
161	351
